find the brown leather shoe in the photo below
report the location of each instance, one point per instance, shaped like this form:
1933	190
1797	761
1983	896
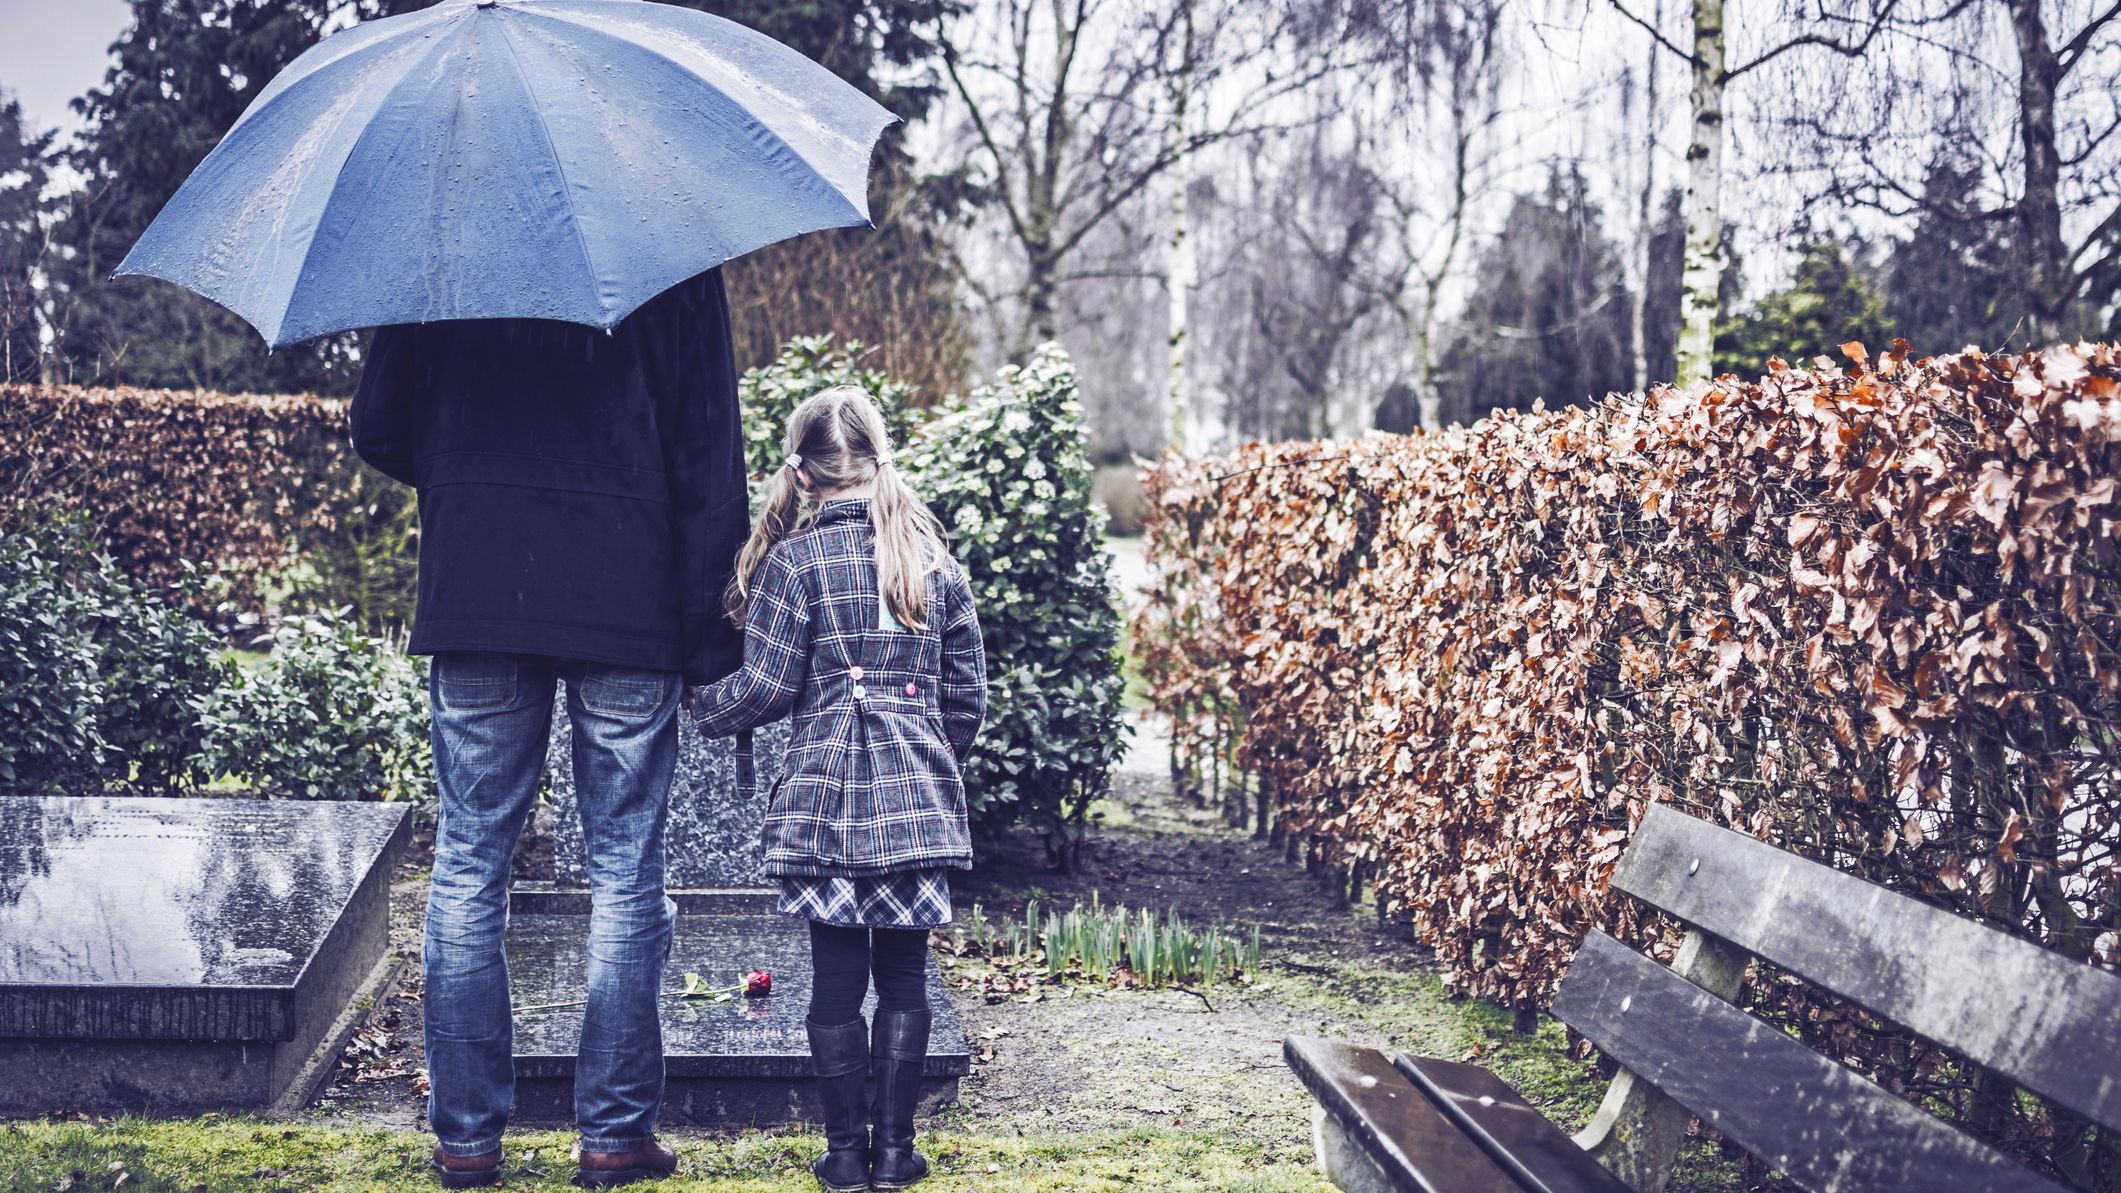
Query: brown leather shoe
466	1172
609	1170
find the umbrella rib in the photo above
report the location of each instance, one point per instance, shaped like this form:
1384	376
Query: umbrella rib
815	173
414	69
559	167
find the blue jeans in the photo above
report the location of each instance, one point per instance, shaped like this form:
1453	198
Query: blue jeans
492	714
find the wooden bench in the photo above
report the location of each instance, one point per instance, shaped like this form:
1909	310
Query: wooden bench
2049	1024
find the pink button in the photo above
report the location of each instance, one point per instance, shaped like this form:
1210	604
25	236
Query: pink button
854	673
911	690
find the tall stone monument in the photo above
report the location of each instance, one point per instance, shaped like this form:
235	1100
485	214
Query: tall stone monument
713	835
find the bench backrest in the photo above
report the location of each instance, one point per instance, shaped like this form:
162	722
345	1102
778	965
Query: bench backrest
2050	1024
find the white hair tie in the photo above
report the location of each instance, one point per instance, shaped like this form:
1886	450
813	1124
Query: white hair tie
883	458
795	462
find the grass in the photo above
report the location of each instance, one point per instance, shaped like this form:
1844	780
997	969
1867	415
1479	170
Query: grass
1415	1011
210	1155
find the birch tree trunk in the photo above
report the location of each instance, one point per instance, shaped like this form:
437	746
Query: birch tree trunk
1180	264
1645	205
1704	200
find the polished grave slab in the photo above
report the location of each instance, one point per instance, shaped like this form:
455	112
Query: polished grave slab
181	955
736	1063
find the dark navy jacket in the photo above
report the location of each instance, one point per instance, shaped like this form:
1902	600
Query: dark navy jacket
581	493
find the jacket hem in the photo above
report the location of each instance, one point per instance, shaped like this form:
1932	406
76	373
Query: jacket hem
588	646
814	867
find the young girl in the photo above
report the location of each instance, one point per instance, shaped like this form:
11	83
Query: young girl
857	620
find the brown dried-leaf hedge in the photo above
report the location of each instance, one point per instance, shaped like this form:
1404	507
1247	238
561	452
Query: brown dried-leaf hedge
1868	613
183	476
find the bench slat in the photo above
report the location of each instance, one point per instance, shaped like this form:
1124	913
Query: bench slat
2051	1024
1820	1123
1509	1128
1403	1131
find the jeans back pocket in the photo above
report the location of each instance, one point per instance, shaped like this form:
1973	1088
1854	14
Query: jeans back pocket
467	680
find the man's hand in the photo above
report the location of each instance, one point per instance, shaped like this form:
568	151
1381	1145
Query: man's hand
685	700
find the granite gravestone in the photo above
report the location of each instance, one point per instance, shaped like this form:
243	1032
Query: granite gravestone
712	840
182	955
745	1061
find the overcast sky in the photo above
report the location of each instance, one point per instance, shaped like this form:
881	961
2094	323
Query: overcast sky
53	50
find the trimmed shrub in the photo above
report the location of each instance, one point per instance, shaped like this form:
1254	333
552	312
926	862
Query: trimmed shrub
1009	474
1867	614
249	486
769	394
100	678
49	691
330	714
157	663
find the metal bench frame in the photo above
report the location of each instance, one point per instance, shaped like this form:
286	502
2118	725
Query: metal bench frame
2050	1024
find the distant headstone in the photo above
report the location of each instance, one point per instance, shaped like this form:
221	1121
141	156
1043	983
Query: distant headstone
181	955
712	840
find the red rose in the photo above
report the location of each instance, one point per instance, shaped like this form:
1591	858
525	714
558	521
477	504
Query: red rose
758	983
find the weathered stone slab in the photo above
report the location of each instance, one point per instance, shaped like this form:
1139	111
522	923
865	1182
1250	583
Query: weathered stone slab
712	840
178	955
732	1063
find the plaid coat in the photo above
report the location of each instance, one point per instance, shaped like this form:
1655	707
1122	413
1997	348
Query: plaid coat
883	719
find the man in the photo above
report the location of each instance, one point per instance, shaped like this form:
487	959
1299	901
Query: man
581	502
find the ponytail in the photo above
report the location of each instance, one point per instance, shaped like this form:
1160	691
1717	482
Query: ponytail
776	521
836	440
908	546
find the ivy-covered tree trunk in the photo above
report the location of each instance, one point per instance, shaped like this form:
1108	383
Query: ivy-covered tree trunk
1704	211
2050	286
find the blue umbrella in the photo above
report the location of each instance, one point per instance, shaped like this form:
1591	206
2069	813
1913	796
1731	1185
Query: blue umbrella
548	159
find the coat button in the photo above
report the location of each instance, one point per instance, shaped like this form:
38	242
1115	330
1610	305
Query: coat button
855	674
860	692
912	690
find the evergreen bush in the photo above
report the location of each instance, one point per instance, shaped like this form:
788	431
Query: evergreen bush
98	678
1008	471
768	395
331	714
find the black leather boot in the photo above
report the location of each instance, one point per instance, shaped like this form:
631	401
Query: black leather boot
840	1058
898	1051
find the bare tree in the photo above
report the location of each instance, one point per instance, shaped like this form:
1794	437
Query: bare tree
2027	97
1638	261
1070	109
1847	28
1300	267
1464	57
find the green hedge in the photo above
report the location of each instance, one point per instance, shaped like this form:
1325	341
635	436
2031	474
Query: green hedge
106	686
330	714
97	677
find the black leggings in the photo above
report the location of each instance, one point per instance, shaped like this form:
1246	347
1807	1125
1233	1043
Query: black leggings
842	959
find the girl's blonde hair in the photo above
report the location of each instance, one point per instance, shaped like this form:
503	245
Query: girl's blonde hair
837	439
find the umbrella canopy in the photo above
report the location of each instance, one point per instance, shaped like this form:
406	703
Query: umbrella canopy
548	159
